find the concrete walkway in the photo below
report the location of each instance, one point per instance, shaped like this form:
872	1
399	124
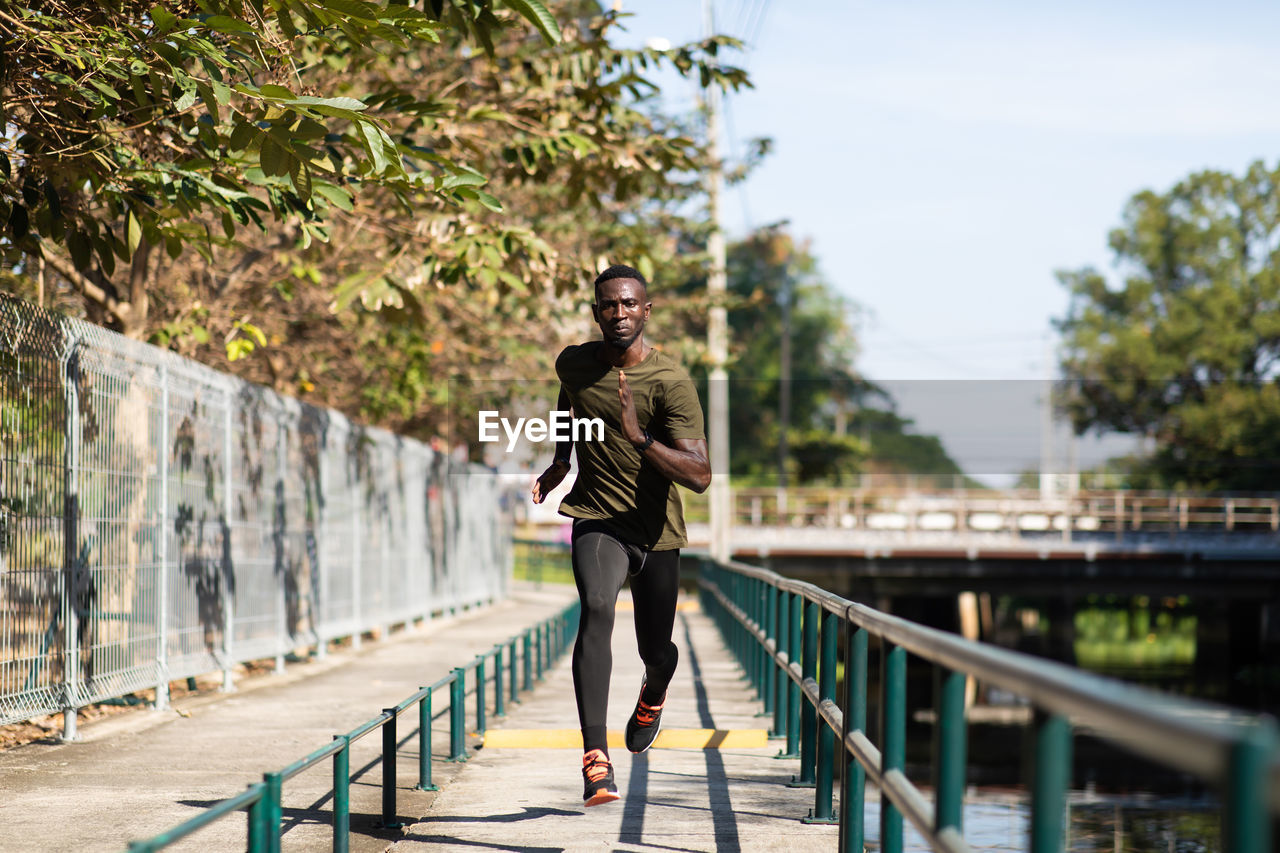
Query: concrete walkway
137	774
523	797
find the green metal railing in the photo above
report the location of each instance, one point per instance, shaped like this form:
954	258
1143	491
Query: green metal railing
543	644
786	634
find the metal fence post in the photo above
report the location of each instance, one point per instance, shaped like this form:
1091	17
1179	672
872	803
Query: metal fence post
1246	826
780	702
458	715
272	811
389	771
770	666
538	632
281	594
1051	774
793	689
357	605
256	823
71	545
528	659
826	737
162	546
512	683
893	736
228	597
499	705
424	744
949	748
480	679
342	796
808	713
853	790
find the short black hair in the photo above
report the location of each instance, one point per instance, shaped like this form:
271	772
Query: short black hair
620	271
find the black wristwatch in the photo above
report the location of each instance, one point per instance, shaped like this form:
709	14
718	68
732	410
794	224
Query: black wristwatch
648	440
564	459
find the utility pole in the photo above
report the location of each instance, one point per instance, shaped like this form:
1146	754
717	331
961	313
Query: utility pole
784	393
717	327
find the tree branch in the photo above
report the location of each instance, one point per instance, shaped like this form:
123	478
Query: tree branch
86	287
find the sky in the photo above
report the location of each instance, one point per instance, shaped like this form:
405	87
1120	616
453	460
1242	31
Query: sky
945	159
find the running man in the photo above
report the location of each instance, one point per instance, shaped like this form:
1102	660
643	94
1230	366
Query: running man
627	518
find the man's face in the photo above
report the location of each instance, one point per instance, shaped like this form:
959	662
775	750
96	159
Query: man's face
621	308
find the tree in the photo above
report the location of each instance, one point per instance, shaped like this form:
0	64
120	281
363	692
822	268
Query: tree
512	169
134	128
839	425
1185	349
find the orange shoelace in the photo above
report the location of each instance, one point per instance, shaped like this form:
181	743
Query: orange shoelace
646	714
595	765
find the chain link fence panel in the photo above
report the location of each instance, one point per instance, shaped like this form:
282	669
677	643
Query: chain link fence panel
160	520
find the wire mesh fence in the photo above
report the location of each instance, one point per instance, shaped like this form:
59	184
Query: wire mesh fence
159	519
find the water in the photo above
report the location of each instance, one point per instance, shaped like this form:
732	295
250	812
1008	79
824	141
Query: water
1000	821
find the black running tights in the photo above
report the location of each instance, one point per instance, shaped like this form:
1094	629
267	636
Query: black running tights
601	564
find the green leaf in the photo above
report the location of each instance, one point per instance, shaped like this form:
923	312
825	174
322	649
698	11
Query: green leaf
163	19
19	222
241	135
345	104
286	22
300	175
336	196
133	232
80	248
489	201
463	179
535	13
274	92
227	24
352	9
273	158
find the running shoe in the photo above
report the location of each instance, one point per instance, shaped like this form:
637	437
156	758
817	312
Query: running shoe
597	778
645	722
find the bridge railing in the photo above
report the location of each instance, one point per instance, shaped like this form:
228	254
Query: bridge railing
517	668
787	634
904	507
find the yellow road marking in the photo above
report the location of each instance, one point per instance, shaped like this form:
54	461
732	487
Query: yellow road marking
667	739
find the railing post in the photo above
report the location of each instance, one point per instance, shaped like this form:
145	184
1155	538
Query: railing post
272	811
784	646
770	665
342	796
513	683
424	744
256	824
389	771
893	729
808	713
480	721
949	749
793	689
499	706
1246	826
528	659
538	643
1051	774
458	715
853	790
826	737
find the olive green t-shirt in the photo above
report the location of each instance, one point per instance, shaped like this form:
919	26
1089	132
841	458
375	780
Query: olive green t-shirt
615	484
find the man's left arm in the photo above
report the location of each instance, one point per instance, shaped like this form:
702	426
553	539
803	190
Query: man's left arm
684	462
